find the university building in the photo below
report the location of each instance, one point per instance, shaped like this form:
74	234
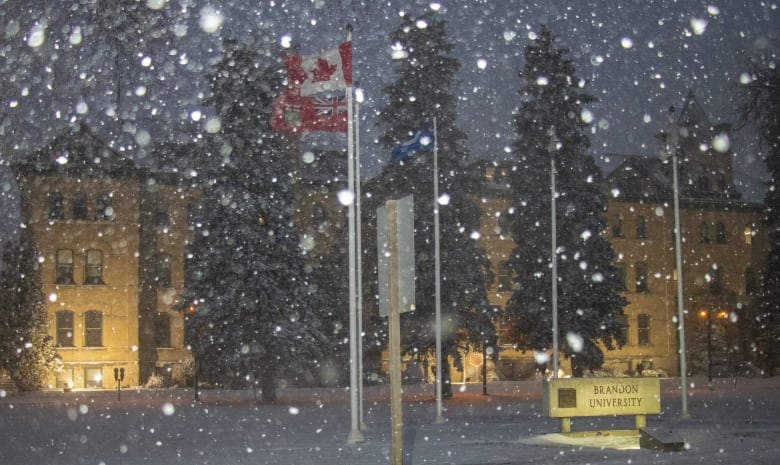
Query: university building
723	251
114	238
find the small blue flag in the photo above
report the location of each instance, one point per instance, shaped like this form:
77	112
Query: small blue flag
421	141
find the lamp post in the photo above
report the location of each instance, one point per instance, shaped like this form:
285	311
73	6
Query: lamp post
551	149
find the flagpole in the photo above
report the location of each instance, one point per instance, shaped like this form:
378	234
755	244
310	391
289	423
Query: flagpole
359	248
354	434
437	272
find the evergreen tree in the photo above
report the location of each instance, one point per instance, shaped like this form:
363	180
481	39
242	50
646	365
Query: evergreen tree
424	91
549	124
27	351
246	274
761	104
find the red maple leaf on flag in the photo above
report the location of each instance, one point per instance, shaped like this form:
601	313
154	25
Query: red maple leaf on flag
323	71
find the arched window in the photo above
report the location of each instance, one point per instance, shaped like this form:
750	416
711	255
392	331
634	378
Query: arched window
93	328
64	321
64	267
94	271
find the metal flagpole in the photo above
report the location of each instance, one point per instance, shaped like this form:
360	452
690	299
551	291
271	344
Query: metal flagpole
354	434
437	272
359	249
553	255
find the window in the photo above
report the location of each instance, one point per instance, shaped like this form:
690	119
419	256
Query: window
643	329
64	328
624	328
751	281
163	270
162	330
504	278
640	268
56	206
715	279
319	216
93	378
104	211
617	226
64	378
162	216
94	270
748	235
79	207
93	329
620	276
704	233
641	227
64	270
720	233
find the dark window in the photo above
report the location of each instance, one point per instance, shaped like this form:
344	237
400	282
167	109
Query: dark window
163	273
65	328
319	216
620	276
56	206
720	233
641	227
94	269
162	215
617	226
643	329
104	211
504	278
64	267
162	330
640	269
704	233
715	280
624	327
93	329
79	207
751	281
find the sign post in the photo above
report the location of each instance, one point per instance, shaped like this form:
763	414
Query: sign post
395	243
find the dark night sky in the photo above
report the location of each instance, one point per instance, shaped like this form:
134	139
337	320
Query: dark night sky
638	57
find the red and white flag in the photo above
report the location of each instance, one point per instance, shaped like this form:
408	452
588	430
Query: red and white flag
293	113
311	74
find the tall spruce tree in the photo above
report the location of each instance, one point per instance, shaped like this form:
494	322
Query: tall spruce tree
27	351
761	104
424	90
549	124
246	274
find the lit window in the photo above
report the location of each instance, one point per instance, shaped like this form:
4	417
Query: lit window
94	270
748	235
93	378
64	328
64	273
93	329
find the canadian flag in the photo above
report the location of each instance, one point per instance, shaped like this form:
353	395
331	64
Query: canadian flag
312	74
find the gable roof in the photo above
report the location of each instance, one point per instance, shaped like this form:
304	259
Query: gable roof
78	151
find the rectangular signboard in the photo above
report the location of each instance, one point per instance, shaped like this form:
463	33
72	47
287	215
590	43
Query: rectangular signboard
395	251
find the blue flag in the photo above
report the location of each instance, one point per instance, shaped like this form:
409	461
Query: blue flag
421	141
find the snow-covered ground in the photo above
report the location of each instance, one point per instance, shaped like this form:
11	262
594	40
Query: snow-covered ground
733	423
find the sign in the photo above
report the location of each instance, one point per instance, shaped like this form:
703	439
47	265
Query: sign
590	397
395	253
